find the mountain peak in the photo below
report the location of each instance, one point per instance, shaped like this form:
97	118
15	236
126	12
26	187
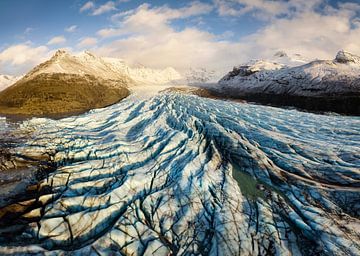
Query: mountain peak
60	52
281	54
346	57
87	63
89	54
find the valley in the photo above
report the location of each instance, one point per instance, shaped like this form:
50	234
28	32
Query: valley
102	158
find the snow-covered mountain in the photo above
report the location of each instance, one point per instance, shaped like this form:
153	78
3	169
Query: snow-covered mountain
84	63
253	67
200	76
279	60
7	80
105	68
338	78
65	85
69	84
317	78
289	59
142	74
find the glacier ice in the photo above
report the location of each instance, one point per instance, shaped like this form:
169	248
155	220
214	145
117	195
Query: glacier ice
182	175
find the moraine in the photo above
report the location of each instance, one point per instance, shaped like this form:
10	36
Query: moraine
182	175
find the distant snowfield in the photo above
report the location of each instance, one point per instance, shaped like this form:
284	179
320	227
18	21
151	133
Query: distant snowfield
149	90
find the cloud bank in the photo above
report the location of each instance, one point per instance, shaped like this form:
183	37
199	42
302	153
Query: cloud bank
57	40
19	58
90	6
147	34
294	26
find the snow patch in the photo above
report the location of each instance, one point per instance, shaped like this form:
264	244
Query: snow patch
317	78
346	57
7	80
106	68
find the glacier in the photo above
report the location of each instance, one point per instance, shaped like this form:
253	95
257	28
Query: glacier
175	174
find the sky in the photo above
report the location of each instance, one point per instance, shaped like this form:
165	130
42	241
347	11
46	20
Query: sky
214	34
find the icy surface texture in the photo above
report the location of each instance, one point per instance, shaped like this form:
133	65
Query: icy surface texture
183	175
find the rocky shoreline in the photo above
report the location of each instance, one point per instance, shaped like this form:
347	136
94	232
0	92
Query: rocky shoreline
345	105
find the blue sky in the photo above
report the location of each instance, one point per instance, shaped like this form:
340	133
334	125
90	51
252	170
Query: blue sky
45	19
214	33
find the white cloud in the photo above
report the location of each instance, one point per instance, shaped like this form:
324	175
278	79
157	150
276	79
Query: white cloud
145	15
87	6
152	41
239	7
28	30
264	9
296	26
145	19
146	34
109	32
87	42
19	58
226	35
310	33
181	50
107	7
71	29
57	40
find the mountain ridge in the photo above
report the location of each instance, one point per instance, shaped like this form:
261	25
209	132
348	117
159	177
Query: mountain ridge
336	82
104	67
65	85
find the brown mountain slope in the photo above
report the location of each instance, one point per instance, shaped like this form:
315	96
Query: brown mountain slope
59	95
